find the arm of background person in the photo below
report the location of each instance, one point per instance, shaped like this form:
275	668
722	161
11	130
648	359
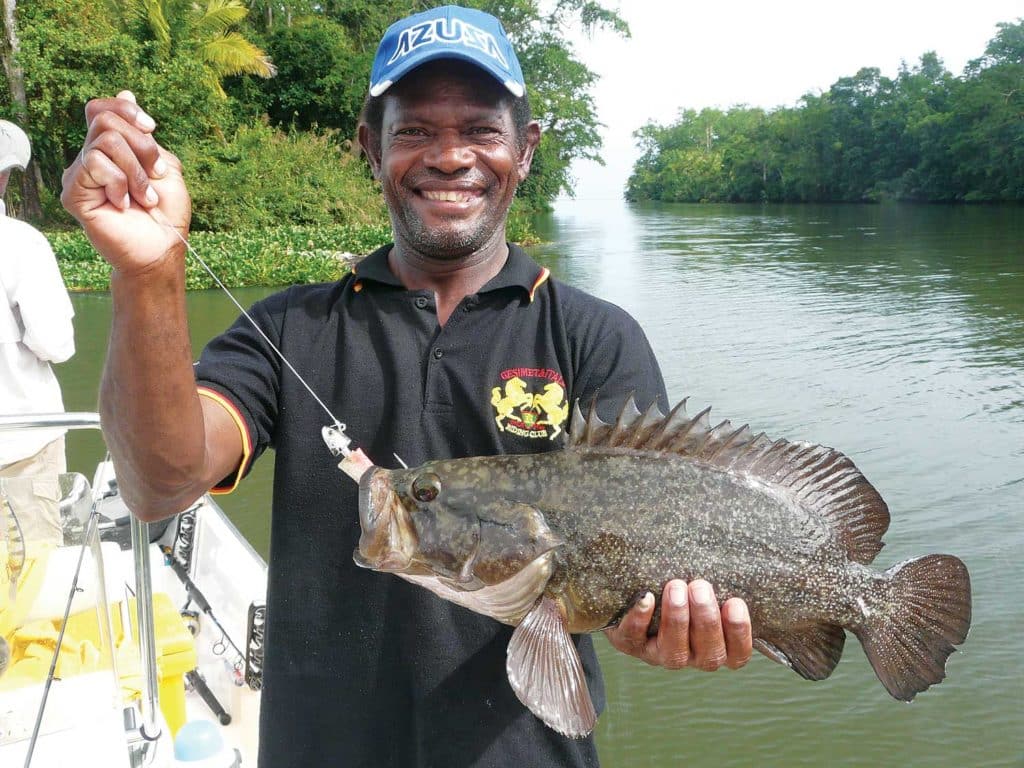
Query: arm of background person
169	445
43	304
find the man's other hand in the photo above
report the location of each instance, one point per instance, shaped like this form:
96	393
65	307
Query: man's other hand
693	632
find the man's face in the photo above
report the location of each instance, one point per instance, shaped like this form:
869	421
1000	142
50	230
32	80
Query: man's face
449	160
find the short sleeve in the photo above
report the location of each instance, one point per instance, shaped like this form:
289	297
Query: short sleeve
240	371
43	302
618	362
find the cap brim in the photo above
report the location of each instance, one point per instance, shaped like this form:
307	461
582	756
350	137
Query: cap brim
417	60
11	161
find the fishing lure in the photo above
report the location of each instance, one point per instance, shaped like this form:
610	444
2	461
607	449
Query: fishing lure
354	462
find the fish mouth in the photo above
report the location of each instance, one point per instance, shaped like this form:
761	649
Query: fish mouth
387	542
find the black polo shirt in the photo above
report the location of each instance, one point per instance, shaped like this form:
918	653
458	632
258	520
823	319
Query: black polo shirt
363	668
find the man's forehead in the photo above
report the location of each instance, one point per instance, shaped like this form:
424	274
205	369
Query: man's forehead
449	76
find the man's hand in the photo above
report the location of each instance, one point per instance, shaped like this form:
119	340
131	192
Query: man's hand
693	631
120	174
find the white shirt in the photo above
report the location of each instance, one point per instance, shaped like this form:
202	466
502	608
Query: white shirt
35	330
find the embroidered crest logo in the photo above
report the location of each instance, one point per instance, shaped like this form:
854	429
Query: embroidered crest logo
534	410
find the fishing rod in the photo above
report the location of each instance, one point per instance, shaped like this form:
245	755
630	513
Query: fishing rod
354	462
91	529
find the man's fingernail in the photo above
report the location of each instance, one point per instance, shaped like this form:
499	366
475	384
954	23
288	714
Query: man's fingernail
126	202
677	595
702	592
144	121
646	602
160	167
151	196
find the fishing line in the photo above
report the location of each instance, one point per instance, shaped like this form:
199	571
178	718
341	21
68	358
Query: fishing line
160	219
355	462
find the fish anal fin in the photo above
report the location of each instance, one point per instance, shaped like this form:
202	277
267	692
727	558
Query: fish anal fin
812	652
546	673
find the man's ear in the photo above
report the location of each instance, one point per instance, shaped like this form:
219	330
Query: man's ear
526	156
369	141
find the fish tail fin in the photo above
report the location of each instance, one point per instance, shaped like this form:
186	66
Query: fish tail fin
916	614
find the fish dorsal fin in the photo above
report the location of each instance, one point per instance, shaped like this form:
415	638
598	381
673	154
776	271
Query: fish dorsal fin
546	673
819	479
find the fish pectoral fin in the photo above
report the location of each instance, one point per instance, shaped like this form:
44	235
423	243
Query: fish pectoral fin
812	652
546	673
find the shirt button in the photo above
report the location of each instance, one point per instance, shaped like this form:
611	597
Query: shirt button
438	354
421	302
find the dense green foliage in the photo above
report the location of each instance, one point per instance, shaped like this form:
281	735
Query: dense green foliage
263	177
271	256
274	255
924	136
265	150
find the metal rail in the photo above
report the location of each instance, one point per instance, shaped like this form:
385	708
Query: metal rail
140	554
75	420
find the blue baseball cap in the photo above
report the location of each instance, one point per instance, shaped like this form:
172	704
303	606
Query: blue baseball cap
448	32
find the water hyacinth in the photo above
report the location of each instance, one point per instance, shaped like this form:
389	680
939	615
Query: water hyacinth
279	256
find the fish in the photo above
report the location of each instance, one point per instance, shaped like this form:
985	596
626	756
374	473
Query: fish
565	542
15	547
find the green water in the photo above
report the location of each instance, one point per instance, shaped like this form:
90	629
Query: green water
894	333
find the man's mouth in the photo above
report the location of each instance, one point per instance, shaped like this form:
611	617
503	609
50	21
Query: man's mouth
448	196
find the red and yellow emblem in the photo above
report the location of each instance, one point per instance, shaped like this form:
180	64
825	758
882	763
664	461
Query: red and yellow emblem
531	403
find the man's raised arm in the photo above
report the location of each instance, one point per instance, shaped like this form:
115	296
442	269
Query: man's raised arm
169	445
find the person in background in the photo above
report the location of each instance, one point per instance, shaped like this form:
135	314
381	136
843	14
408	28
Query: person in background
415	349
35	330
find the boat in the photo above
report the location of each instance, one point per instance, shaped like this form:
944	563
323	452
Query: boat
128	644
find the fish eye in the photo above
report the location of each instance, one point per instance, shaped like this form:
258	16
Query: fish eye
426	487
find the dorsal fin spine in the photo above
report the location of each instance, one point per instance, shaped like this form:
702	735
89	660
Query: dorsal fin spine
659	434
818	479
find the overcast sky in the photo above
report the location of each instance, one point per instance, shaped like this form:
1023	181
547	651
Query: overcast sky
720	53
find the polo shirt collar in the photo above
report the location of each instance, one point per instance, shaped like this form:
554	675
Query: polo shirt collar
519	271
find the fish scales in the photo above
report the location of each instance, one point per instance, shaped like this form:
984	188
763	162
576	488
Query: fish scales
565	542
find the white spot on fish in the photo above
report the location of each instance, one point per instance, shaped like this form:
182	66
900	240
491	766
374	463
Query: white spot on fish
864	608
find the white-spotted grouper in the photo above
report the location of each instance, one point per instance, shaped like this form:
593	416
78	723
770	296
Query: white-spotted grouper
565	542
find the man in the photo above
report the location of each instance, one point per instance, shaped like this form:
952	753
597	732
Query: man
35	330
412	350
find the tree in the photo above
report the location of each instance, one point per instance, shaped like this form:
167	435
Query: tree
321	79
10	52
210	31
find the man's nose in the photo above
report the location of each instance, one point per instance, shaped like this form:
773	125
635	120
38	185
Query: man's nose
450	153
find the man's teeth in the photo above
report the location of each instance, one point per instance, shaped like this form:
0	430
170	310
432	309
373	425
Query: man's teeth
448	197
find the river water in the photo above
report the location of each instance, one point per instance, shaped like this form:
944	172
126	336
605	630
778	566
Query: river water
894	333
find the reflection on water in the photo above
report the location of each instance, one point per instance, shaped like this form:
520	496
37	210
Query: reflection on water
894	333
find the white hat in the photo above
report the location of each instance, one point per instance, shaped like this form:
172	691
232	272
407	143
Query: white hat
15	149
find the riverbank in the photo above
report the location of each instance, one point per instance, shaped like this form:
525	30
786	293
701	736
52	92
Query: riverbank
283	255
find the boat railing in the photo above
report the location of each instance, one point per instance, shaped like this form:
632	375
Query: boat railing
149	728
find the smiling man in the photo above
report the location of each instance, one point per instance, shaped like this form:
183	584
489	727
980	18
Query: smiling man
448	342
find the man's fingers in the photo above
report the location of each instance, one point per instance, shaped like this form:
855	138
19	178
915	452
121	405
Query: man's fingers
143	145
707	643
673	641
133	178
736	627
630	636
125	108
